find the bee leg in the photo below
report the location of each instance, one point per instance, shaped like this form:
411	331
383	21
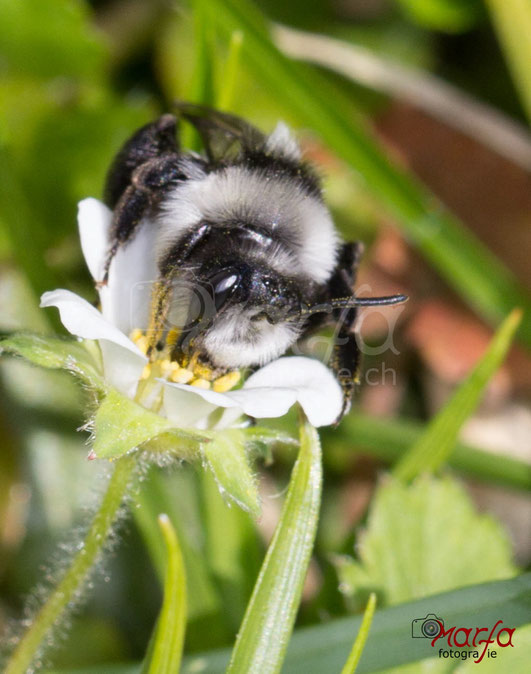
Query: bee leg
160	306
346	354
149	142
148	185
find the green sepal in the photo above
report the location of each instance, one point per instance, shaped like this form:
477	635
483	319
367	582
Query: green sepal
57	354
227	457
121	425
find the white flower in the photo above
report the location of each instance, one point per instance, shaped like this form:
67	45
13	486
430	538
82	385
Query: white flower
269	392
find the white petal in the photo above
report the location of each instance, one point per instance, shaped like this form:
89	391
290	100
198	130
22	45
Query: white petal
183	409
123	362
272	390
122	367
317	389
125	301
94	221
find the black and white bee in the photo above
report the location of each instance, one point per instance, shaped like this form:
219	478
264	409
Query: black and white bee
246	222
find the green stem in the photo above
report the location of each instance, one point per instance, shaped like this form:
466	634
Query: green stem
68	589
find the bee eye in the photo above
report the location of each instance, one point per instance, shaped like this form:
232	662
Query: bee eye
223	286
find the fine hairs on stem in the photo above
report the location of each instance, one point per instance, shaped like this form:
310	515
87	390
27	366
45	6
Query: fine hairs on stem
69	589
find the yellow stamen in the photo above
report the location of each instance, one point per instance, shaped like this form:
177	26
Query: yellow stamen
226	382
180	375
200	383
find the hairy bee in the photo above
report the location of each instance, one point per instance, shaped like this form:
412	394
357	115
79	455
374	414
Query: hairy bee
244	223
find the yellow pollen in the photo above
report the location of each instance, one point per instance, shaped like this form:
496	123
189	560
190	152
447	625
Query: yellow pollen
226	382
172	336
180	375
200	383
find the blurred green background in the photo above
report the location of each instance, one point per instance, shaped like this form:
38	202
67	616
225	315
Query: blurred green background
76	79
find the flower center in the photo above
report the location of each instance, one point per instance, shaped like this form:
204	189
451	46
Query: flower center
188	371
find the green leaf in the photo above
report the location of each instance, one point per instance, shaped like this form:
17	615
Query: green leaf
121	425
226	456
165	650
425	538
325	647
57	354
388	439
461	259
357	649
432	450
268	622
512	22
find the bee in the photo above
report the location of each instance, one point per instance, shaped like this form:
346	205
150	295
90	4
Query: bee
244	223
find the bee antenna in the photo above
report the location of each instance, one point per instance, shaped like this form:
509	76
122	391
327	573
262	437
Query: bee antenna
346	302
350	303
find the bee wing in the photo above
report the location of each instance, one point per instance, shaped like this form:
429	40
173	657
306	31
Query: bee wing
224	136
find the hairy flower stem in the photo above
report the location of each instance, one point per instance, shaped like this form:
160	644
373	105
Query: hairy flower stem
72	583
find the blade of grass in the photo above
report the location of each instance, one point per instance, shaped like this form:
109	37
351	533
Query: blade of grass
268	622
325	647
512	22
202	87
230	71
165	650
357	649
389	439
436	444
453	250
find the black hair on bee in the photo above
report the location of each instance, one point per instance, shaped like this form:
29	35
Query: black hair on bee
242	226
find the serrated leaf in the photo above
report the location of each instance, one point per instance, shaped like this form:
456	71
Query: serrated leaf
121	425
434	447
425	538
226	456
165	650
266	628
57	354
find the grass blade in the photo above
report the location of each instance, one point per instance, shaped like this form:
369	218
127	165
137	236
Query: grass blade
268	621
436	444
389	439
454	251
357	649
230	71
165	651
324	648
512	22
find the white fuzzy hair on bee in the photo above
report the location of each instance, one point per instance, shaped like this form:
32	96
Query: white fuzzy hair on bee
245	221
